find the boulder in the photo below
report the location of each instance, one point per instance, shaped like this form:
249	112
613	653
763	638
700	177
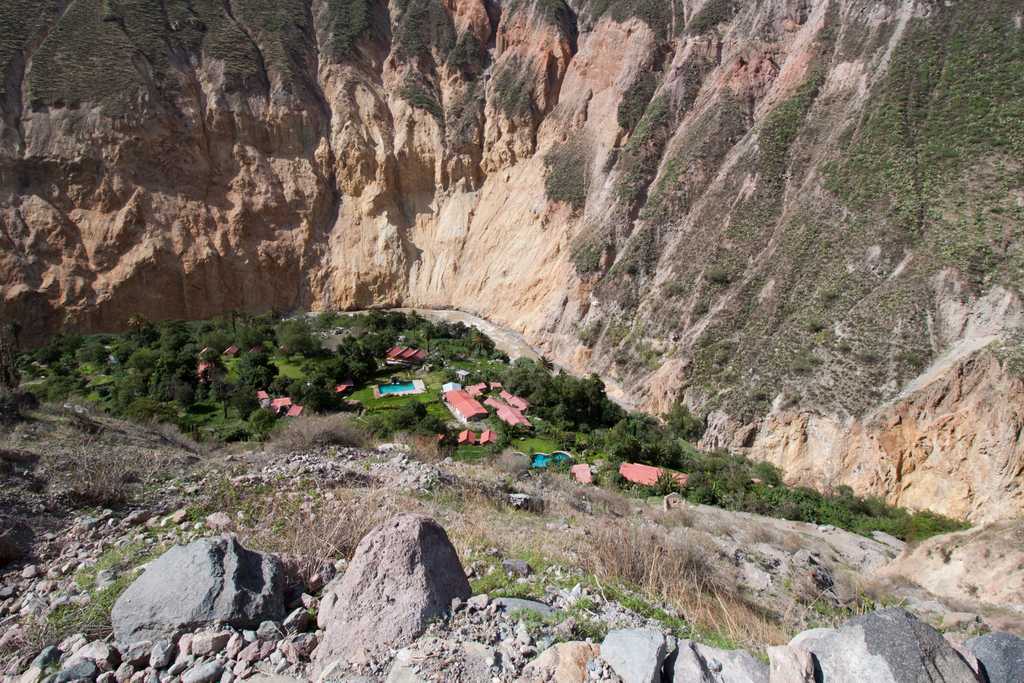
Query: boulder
696	663
1001	656
561	663
886	646
193	586
404	574
635	654
790	664
79	670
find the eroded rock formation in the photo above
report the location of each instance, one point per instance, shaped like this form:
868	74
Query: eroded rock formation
745	204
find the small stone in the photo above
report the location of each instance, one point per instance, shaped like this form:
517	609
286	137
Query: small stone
478	602
203	673
107	658
138	653
219	521
46	658
209	642
124	673
178	516
269	631
297	621
82	669
30	572
516	567
162	654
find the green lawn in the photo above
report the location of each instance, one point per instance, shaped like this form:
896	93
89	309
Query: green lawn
288	367
536	444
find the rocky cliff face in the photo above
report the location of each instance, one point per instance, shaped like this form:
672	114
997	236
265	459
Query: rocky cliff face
766	207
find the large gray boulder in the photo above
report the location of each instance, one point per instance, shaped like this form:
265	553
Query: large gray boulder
696	663
1001	656
404	574
886	646
195	585
635	654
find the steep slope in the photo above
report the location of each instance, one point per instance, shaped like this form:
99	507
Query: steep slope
777	207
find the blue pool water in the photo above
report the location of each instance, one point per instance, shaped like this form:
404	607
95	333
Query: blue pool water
386	389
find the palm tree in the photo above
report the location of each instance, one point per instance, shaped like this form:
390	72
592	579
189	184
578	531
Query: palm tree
137	323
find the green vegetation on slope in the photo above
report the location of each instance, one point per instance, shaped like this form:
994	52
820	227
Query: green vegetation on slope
938	152
568	171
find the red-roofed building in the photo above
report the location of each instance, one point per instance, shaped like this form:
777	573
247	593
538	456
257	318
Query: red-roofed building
280	405
405	355
488	437
464	406
496	385
646	475
582	473
344	387
476	389
262	396
508	414
294	411
203	371
519	404
231	351
467	438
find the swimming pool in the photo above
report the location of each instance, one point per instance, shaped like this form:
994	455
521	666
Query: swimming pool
403	388
399	389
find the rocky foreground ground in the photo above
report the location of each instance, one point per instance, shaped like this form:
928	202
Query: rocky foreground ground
334	562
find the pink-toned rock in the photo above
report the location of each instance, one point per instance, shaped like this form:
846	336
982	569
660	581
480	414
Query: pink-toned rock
561	663
405	573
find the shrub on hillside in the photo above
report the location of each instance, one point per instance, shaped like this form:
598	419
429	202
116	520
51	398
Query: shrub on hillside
320	430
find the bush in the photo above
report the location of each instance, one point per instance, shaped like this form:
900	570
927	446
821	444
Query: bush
262	422
313	432
567	174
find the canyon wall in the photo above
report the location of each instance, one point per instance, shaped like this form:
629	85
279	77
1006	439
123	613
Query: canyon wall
774	210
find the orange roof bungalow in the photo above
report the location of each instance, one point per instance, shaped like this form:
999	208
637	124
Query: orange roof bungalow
466	438
582	473
496	385
488	437
476	389
295	410
203	371
280	405
646	475
404	355
519	404
508	414
463	406
344	387
231	351
262	396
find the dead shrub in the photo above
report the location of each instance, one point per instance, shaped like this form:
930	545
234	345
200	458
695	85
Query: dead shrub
602	501
423	447
648	560
101	477
681	574
512	463
316	431
314	535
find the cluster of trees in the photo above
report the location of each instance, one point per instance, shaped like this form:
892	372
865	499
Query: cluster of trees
153	370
